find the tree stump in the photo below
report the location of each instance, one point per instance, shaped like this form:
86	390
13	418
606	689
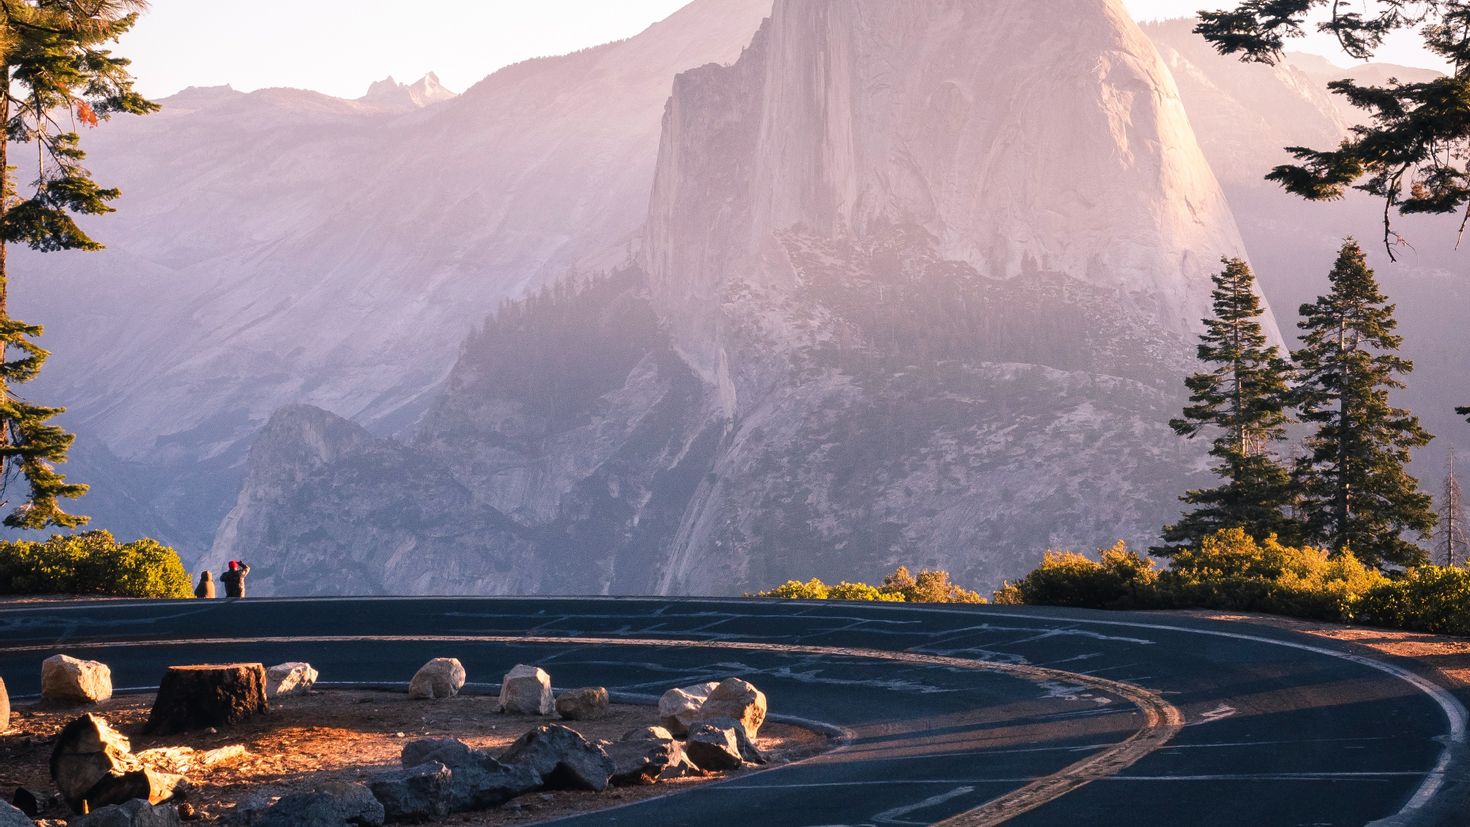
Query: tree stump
198	697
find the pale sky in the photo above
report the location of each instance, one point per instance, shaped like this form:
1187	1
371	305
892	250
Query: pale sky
341	46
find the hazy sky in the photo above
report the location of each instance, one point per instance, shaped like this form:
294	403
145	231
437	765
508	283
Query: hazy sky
340	46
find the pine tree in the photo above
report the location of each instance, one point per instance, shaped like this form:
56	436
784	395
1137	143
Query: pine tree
56	76
1413	149
1242	398
1356	492
1452	539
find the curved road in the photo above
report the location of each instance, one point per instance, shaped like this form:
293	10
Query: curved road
975	715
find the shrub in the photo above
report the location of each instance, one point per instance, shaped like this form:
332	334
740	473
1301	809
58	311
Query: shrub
929	586
863	592
92	563
899	587
1427	599
813	589
1120	579
1233	571
1009	594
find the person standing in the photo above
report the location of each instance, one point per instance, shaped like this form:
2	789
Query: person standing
234	579
205	589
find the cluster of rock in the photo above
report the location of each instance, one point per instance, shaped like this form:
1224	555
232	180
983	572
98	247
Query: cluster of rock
707	728
97	774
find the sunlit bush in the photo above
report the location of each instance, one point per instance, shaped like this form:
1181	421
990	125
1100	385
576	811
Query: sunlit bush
1232	571
928	586
1119	579
92	563
1427	599
900	587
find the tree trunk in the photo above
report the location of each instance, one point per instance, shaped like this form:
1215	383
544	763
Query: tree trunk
198	697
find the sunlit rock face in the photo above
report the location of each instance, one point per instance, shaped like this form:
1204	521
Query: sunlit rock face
942	264
919	283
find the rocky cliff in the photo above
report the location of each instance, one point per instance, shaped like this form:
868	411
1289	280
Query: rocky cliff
284	247
919	281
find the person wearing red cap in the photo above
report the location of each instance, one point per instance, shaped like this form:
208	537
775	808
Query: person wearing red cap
234	579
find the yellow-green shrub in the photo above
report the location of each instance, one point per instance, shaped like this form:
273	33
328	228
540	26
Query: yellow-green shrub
900	587
862	592
813	589
1427	599
1119	579
1231	570
92	563
928	586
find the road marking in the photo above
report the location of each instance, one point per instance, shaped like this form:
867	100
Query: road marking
893	816
1161	720
1218	713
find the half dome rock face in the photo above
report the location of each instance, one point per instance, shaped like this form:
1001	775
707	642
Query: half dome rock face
1020	136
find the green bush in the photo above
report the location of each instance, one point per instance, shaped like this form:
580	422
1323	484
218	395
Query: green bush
92	563
1233	571
1120	579
1229	571
1427	599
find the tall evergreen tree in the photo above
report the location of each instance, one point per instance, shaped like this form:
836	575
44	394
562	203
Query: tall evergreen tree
1242	399
56	77
1357	494
1452	539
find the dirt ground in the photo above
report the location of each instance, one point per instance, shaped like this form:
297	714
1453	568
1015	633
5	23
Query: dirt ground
348	735
1447	656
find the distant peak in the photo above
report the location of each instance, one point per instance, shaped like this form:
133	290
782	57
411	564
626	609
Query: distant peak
389	93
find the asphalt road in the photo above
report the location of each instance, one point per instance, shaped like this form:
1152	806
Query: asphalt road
1278	729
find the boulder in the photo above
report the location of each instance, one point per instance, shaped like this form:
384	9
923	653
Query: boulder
739	700
332	804
439	678
4	708
477	780
648	733
66	679
200	697
678	707
93	763
13	817
289	679
582	704
135	813
526	690
561	758
748	750
416	794
714	748
647	761
451	752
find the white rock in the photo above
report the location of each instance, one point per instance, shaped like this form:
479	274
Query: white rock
67	679
678	708
526	690
439	678
289	679
739	701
